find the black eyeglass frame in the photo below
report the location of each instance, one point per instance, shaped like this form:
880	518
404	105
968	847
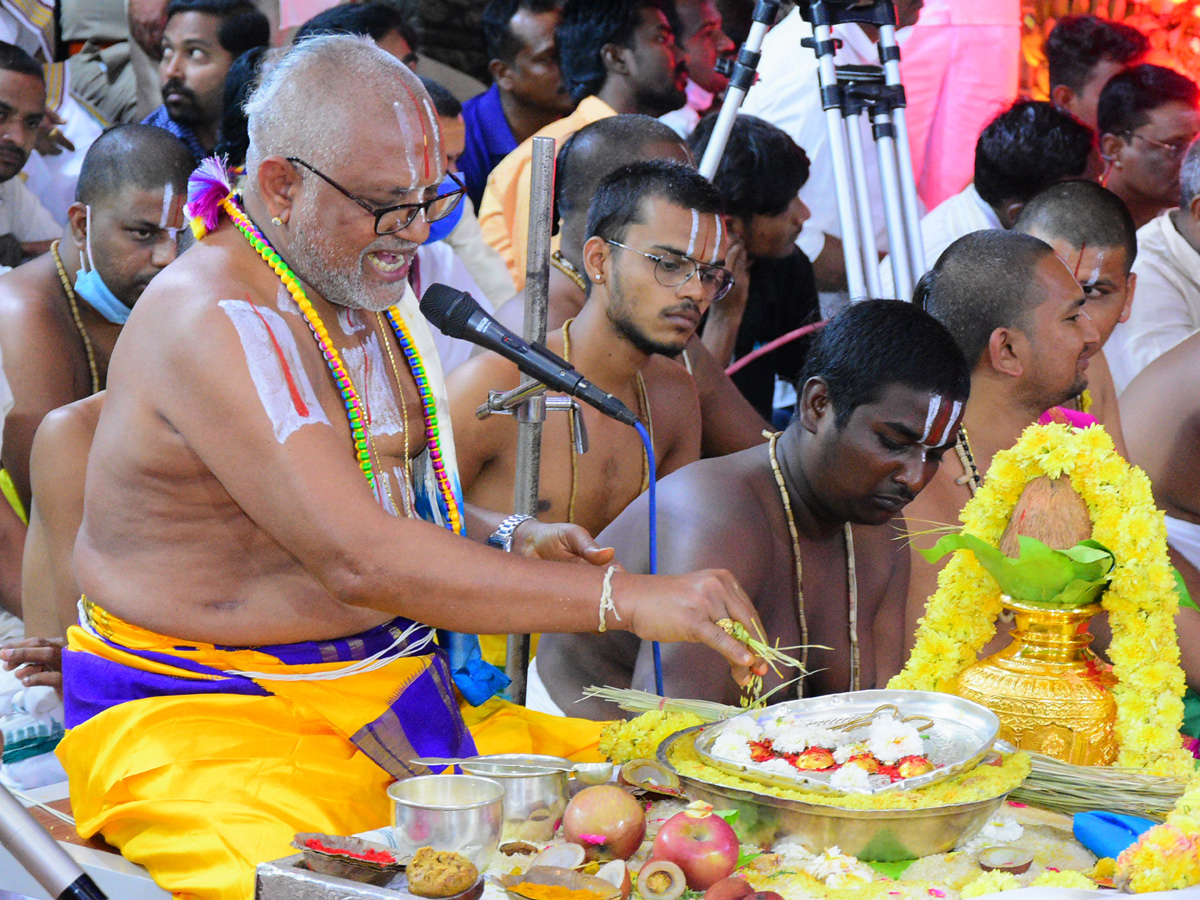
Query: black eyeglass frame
380	212
697	266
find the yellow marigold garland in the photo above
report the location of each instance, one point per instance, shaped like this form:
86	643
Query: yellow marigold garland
1141	603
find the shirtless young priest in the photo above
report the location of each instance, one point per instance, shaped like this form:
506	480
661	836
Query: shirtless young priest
1019	317
729	422
231	539
881	399
654	261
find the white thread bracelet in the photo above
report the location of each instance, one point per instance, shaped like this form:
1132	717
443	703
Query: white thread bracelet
606	600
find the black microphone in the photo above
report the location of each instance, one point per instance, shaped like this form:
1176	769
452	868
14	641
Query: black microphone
458	315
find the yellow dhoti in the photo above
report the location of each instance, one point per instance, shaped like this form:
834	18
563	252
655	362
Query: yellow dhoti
199	762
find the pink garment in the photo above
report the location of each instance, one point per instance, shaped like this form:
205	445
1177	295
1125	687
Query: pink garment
294	13
960	66
1061	415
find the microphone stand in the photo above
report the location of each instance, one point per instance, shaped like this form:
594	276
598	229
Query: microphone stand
528	403
40	855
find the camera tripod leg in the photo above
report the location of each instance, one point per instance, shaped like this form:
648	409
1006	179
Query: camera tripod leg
870	250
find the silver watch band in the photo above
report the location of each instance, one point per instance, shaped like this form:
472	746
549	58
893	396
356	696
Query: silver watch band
503	536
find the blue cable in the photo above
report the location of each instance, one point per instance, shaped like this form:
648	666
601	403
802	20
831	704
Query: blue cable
649	445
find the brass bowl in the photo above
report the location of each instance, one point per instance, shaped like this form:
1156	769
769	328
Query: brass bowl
876	835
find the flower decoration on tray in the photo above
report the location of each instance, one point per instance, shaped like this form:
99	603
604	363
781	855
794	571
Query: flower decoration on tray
855	743
891	749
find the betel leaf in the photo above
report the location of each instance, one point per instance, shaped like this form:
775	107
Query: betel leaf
1185	597
1066	578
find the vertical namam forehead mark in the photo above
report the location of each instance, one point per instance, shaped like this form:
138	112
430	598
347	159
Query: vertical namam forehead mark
430	139
940	420
171	220
691	247
408	140
1095	276
275	368
716	251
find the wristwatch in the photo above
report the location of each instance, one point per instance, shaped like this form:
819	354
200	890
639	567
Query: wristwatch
503	536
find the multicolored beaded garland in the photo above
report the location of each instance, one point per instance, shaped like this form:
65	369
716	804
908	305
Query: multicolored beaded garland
446	495
447	499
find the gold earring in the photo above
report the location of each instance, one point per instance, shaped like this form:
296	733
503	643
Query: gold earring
276	221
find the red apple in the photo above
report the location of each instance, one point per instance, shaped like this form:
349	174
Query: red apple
700	843
606	821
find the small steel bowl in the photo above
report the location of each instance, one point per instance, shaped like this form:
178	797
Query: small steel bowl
461	813
534	798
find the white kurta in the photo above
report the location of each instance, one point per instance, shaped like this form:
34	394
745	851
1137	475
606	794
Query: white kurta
1166	305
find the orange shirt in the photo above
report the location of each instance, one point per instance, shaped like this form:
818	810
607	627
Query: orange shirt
504	210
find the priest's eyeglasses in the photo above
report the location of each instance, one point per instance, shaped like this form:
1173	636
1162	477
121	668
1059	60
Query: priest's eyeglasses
672	270
1169	149
390	219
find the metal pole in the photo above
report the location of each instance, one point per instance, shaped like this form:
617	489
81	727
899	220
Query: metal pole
739	84
40	855
889	177
858	163
839	156
532	413
889	56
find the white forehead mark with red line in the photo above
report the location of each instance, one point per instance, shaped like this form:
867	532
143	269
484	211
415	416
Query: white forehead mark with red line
940	421
172	211
408	139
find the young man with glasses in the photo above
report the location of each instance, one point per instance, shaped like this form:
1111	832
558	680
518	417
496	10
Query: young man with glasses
1148	115
653	259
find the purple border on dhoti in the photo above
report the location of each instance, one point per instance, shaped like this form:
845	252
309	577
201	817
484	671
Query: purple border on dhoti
92	684
422	720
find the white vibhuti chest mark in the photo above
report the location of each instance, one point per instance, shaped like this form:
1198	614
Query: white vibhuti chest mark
276	368
367	367
285	302
351	321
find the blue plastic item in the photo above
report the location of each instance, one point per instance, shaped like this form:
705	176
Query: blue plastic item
1107	834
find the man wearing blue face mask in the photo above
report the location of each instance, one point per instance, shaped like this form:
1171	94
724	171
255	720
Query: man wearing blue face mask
60	314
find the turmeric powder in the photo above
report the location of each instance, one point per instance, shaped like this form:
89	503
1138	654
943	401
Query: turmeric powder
531	891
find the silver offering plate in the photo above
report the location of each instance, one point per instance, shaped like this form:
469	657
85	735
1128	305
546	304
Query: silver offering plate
957	735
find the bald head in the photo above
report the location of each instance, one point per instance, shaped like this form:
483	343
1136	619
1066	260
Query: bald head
318	101
984	281
1084	215
599	149
139	156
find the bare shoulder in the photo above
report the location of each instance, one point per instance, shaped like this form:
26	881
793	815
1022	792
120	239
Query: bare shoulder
511	313
729	501
71	424
937	505
29	315
1165	390
479	374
